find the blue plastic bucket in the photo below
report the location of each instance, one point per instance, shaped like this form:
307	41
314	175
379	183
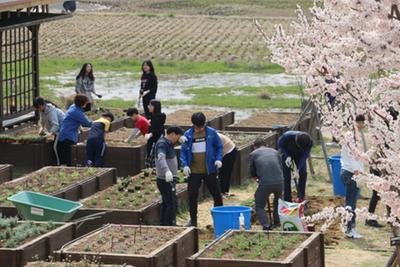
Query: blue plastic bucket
227	217
338	186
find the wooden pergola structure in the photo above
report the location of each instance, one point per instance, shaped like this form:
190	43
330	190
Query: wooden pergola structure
19	57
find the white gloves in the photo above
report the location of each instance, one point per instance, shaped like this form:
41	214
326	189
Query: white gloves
148	136
183	139
169	177
186	171
218	164
288	161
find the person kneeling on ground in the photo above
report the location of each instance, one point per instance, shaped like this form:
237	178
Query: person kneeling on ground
295	146
167	172
74	118
141	124
265	165
351	167
201	157
51	118
96	144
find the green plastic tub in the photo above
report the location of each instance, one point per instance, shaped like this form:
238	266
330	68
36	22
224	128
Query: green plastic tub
40	207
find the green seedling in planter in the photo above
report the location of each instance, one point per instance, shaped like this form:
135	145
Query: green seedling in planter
7	139
31	139
147	172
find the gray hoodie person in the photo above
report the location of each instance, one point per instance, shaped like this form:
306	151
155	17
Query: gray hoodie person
166	159
51	119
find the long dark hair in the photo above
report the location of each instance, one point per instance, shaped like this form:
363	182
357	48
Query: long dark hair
150	64
157	106
82	73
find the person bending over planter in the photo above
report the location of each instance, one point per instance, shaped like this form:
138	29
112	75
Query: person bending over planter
156	130
141	124
85	84
295	146
265	165
229	156
148	85
351	167
96	144
201	157
167	173
74	118
50	121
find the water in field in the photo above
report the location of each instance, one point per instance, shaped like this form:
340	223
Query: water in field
123	85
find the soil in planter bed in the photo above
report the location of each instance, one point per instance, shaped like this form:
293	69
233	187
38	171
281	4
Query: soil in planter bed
242	139
268	119
83	263
46	181
126	239
184	117
14	234
117	138
316	204
255	246
128	194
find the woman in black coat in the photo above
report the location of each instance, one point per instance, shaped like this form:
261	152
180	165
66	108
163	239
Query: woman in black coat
148	85
156	129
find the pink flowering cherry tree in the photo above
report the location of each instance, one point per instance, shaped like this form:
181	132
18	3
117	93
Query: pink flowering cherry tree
349	50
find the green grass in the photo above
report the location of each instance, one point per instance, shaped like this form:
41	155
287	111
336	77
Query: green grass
225	97
52	66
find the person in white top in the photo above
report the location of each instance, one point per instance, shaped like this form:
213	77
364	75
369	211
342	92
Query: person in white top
228	160
350	167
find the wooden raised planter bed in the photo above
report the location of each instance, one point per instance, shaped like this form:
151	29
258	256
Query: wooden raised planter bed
308	251
39	248
71	183
136	203
244	143
267	121
145	246
128	159
115	125
216	119
6	173
26	150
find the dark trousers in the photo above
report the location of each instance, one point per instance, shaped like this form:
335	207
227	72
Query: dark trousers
261	197
351	195
146	101
287	174
95	148
373	202
194	184
70	6
226	171
64	151
169	203
150	157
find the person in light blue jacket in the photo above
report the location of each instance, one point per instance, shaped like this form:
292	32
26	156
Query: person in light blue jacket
51	118
74	118
201	157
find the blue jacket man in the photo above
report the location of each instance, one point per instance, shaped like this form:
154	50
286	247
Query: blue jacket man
74	118
295	146
201	157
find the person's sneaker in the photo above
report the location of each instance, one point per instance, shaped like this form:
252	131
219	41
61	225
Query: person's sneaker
267	228
373	223
353	234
